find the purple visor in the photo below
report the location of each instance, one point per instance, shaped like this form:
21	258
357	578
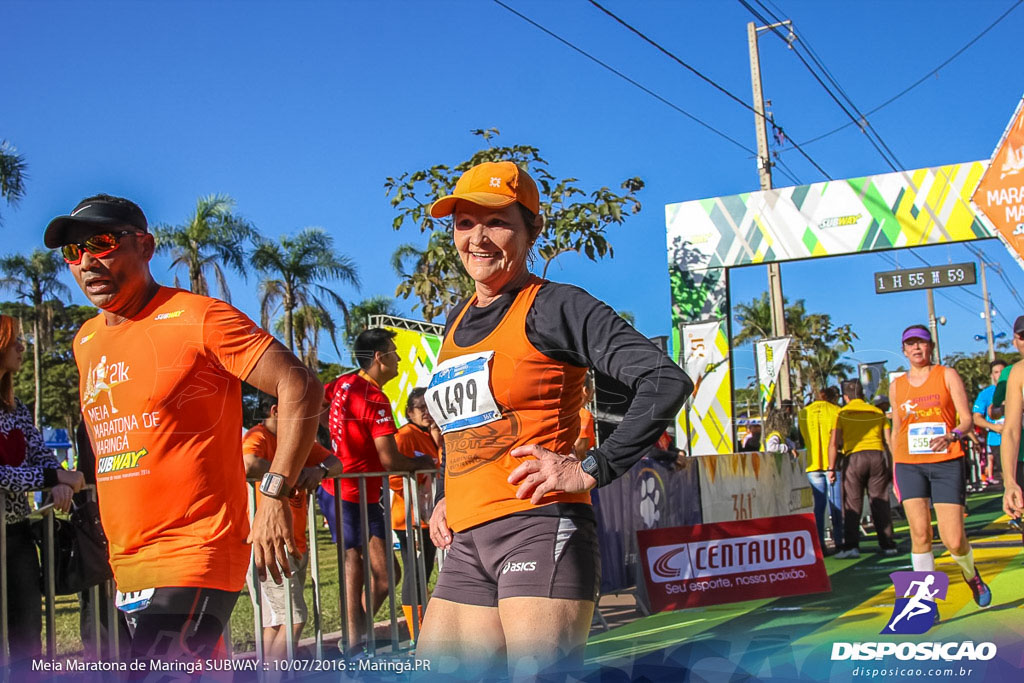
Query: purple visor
917	333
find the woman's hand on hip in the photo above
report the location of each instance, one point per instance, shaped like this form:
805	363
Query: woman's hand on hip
548	472
440	534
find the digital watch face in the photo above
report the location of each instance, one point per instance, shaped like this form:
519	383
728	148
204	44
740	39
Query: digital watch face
272	485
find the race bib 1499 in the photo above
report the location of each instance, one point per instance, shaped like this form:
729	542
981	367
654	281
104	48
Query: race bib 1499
459	395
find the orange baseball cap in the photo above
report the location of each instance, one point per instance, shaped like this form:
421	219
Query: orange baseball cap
494	184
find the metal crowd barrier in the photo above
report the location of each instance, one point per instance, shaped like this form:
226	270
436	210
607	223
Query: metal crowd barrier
47	514
413	561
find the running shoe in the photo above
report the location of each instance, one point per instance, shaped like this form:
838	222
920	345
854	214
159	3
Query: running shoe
891	552
982	593
848	554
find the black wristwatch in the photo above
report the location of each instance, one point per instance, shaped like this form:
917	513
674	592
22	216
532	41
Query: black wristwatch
326	470
274	486
590	466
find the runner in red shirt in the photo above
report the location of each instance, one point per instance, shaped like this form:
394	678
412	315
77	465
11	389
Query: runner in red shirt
362	431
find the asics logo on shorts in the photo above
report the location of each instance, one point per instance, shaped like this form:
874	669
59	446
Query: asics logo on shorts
518	567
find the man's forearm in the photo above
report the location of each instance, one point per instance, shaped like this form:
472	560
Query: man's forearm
1008	459
299	401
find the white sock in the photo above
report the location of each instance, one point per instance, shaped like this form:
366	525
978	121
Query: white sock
966	563
923	562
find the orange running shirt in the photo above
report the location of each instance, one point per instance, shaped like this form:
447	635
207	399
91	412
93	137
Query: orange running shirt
928	410
259	441
162	401
587	427
411	441
539	400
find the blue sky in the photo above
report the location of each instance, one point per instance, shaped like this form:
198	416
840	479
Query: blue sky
301	110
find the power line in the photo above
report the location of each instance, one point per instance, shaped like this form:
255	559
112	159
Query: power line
924	78
787	171
828	74
891	158
627	78
978	254
775	126
679	61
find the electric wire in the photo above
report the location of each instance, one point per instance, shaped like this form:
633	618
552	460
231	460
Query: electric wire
627	78
921	80
768	119
883	150
861	117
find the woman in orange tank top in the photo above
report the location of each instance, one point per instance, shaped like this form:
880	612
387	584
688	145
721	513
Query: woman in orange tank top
522	571
930	417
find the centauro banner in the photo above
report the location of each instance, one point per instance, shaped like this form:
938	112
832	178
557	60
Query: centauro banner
716	563
769	355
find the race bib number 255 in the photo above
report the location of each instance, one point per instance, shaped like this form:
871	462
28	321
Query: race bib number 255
920	435
459	395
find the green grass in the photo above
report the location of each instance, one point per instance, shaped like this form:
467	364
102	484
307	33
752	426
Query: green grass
242	623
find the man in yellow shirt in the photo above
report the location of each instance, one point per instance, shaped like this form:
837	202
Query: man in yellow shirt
817	420
860	434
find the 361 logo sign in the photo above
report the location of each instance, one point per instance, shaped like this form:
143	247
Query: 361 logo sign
916	609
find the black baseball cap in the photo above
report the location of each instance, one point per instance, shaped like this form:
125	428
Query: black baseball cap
1018	324
99	211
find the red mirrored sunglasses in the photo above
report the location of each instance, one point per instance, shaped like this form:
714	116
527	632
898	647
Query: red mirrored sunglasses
98	245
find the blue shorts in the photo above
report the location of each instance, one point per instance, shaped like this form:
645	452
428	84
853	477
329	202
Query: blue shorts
943	482
353	527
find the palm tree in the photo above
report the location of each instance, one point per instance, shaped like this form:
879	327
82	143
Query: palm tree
294	268
35	279
434	274
359	315
307	323
212	235
13	172
824	346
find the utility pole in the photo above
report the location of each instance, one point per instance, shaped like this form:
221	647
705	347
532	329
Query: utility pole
764	170
933	327
988	315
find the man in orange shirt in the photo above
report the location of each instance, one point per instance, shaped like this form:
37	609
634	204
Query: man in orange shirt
171	495
417	437
259	445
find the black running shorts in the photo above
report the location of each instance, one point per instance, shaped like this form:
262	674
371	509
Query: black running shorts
522	556
943	482
176	624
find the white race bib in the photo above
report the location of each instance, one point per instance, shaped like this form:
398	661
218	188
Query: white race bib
920	435
459	395
134	601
